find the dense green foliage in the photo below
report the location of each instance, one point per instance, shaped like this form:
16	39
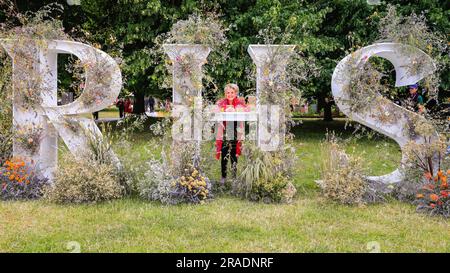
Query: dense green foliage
327	30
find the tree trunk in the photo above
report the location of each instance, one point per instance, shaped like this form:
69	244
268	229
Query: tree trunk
320	103
139	104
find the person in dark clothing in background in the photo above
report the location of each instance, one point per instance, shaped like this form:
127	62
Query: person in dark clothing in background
121	105
415	99
229	147
151	104
327	110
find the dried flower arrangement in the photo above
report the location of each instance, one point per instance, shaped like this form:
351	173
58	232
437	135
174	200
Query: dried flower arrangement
414	32
343	178
176	182
283	70
266	176
72	124
32	35
206	30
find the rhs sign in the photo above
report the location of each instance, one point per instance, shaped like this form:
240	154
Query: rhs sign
40	123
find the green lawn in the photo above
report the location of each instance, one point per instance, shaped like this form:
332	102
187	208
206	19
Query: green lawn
229	224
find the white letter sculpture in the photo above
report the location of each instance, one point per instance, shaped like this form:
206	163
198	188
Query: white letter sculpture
187	61
35	74
401	56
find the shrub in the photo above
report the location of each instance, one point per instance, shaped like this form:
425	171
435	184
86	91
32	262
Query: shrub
345	185
6	142
407	189
277	190
19	181
426	157
155	185
342	178
84	181
101	151
192	186
433	197
5	109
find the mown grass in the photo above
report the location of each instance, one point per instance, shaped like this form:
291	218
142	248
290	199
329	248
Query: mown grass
229	224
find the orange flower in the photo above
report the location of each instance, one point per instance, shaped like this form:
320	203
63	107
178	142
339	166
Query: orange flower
419	195
448	172
440	173
17	170
434	197
427	175
444	179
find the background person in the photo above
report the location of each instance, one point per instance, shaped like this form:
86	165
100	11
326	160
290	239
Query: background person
128	106
415	99
151	104
121	105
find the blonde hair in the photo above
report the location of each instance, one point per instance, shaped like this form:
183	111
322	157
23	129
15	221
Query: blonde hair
233	86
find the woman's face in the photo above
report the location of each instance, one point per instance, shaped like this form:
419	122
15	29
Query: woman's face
230	93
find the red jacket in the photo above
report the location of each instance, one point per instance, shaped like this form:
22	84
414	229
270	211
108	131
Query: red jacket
127	106
222	104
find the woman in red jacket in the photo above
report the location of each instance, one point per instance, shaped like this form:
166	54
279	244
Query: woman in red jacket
230	146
